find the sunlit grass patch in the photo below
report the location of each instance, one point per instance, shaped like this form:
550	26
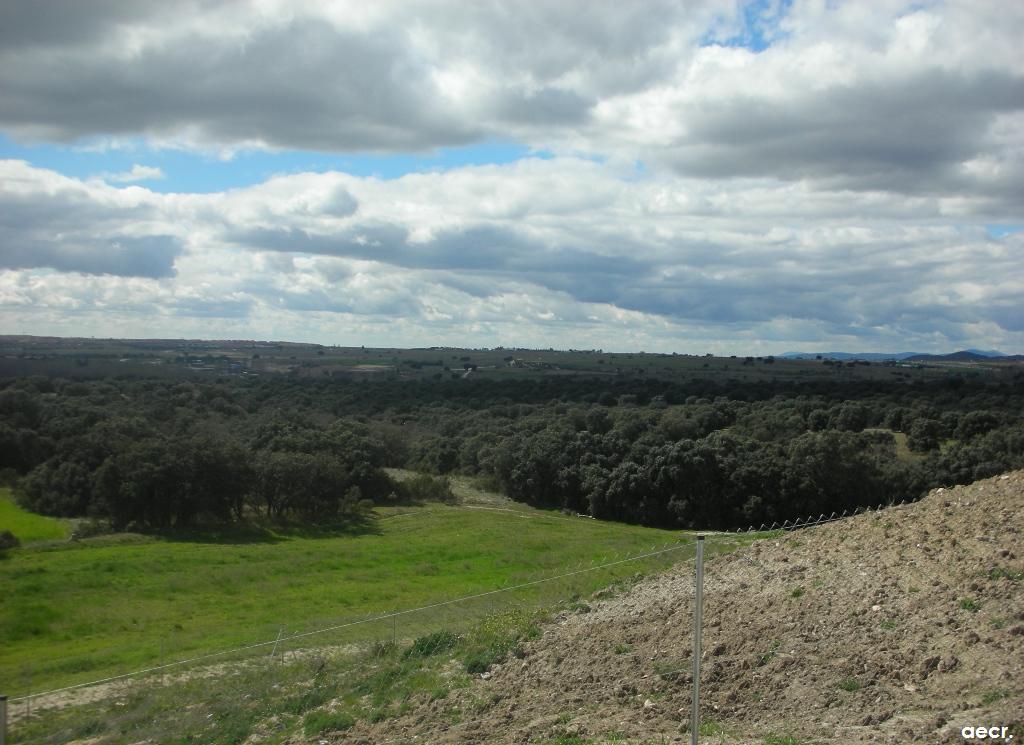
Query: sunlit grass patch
27	526
106	605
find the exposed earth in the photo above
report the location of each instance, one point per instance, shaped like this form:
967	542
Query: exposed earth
897	626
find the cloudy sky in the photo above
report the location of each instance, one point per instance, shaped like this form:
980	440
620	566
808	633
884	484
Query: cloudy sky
707	175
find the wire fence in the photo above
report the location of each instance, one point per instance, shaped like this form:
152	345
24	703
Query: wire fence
283	641
811	521
354	637
482	627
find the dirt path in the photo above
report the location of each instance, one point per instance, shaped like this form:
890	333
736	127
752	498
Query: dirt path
891	627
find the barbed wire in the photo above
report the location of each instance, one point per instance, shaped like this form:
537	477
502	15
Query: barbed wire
666	548
654	551
811	521
728	575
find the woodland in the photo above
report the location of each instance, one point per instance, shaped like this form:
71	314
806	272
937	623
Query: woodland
152	454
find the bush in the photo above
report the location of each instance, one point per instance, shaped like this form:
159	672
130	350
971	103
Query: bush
8	541
480	660
426	488
478	663
90	528
424	646
382	648
849	684
322	722
970	604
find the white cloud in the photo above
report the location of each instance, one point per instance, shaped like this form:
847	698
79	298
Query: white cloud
49	220
136	173
549	252
832	188
892	95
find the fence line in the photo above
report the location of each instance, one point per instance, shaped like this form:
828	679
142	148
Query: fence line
728	577
717	580
811	521
666	548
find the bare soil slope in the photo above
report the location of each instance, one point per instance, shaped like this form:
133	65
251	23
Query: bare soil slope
892	627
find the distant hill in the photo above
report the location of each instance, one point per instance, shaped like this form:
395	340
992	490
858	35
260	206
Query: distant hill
964	355
873	356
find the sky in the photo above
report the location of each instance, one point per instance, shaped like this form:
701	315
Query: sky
699	176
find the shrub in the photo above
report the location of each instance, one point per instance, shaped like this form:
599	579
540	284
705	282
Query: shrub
770	654
424	646
8	541
426	488
90	528
1004	573
322	722
994	696
382	648
849	684
480	661
709	727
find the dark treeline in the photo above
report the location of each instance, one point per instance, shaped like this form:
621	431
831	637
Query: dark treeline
157	454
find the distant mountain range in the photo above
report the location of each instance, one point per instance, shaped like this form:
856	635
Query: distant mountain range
965	355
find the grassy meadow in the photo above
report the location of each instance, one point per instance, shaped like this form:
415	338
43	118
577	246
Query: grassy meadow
80	610
26	526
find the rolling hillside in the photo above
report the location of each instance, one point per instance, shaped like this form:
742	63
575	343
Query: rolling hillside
892	627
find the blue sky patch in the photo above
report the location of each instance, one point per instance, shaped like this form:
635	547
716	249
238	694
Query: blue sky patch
194	172
760	26
1002	229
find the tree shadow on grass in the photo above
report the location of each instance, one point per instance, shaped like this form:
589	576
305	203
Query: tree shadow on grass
275	532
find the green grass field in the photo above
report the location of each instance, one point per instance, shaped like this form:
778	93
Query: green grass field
903	451
82	610
27	526
77	611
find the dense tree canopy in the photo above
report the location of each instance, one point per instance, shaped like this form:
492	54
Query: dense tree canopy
155	453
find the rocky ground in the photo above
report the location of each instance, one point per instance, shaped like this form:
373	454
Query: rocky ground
892	627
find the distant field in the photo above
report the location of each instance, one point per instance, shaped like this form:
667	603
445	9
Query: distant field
27	526
83	610
92	358
903	451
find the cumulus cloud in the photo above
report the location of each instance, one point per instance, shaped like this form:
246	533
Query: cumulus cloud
895	96
47	220
135	173
391	77
833	186
656	259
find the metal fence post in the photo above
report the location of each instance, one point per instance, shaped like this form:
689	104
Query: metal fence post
3	720
698	613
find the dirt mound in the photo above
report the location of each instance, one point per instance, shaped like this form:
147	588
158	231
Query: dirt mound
891	627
